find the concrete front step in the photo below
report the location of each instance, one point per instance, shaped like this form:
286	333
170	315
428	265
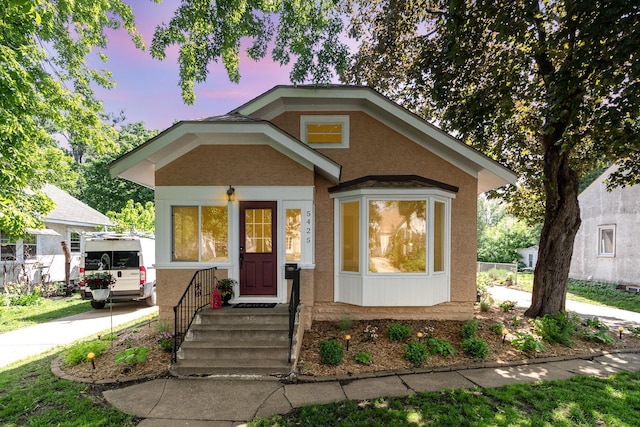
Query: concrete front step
233	350
236	341
230	367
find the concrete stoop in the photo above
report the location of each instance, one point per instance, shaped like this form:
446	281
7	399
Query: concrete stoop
236	342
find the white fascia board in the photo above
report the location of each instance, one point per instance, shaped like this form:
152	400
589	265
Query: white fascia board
140	165
393	193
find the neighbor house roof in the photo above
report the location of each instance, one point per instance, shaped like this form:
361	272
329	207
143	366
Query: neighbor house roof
71	211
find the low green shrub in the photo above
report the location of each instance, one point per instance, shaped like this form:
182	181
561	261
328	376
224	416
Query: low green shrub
26	299
416	352
497	328
441	347
634	330
556	327
165	340
399	331
594	323
345	323
469	329
363	357
132	355
78	352
600	335
527	342
485	306
507	306
331	352
515	320
475	347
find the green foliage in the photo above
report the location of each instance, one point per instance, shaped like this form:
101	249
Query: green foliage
475	347
556	327
345	323
440	346
331	352
165	340
47	87
485	306
26	299
527	342
603	293
600	335
308	32
134	217
132	355
594	323
78	352
634	330
16	317
497	328
416	352
398	331
515	320
469	328
482	283
507	306
363	357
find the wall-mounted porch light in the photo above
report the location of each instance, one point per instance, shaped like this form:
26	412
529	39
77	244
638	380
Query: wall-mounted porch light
230	194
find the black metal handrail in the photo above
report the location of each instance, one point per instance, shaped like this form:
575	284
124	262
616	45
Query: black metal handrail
292	271
195	298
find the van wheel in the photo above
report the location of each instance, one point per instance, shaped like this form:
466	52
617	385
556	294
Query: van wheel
97	304
151	300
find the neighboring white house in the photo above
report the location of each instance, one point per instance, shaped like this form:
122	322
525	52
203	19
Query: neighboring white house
40	253
529	256
607	246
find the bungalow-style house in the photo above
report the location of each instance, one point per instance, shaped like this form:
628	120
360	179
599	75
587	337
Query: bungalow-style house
376	206
39	255
607	245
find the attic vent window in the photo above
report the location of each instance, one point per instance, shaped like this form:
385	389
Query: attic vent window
325	131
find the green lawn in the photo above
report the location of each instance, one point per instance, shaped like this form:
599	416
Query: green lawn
591	292
16	317
30	395
580	401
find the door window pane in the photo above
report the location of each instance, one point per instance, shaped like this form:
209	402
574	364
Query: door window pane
397	236
293	235
438	236
185	233
215	232
350	221
258	237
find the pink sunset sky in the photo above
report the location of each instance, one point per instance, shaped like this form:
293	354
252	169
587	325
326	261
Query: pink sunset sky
147	89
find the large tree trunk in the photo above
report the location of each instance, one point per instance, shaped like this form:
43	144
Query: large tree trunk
561	223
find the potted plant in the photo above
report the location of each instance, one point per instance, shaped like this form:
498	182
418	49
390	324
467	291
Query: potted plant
100	284
226	286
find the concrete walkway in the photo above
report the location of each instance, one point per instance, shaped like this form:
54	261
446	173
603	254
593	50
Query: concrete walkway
33	340
222	402
613	317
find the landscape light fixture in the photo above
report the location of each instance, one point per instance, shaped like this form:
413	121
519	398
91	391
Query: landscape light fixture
230	192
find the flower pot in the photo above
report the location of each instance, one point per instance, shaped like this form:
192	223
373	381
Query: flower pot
100	294
226	299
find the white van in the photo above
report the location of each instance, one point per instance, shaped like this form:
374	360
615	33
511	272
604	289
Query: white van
129	258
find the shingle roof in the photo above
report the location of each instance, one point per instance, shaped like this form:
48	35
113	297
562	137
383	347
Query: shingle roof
392	181
70	210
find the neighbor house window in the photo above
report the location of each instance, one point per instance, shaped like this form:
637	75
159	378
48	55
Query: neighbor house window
29	246
200	233
350	241
74	242
8	247
606	240
325	131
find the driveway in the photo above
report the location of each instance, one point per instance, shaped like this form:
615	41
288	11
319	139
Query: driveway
33	340
613	317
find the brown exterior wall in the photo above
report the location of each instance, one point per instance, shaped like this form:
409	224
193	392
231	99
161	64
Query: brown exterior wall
234	165
375	149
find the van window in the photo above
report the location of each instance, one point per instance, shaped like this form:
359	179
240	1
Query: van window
118	260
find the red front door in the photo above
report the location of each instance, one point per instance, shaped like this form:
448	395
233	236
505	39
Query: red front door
258	256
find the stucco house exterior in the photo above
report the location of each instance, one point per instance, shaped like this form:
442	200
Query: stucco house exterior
374	204
607	245
40	253
529	256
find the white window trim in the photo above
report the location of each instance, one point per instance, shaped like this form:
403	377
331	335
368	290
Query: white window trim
417	289
600	252
323	119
